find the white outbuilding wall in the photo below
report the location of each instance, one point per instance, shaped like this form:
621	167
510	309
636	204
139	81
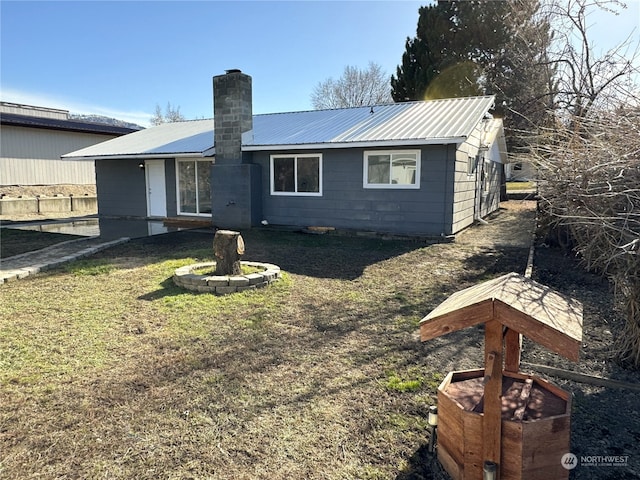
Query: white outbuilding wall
32	140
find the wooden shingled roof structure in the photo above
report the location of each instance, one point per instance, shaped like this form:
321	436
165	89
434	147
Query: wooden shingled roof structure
508	306
521	304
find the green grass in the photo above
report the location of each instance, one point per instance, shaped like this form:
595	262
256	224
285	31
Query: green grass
109	370
90	267
396	383
516	186
413	380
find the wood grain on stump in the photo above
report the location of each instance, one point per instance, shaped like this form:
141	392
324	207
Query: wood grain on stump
228	247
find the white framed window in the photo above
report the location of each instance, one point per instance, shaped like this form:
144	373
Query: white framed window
392	169
296	174
193	178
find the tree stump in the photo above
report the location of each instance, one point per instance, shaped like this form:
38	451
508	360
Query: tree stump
228	247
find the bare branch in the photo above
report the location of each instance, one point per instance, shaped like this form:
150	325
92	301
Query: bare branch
354	88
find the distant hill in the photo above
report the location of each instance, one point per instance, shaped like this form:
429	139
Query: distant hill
104	121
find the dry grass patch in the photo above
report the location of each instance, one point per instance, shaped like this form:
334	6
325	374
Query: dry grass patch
108	370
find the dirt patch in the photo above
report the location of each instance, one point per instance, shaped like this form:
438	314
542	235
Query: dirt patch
109	370
605	421
513	225
15	191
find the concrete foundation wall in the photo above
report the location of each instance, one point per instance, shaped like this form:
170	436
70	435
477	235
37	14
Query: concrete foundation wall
23	206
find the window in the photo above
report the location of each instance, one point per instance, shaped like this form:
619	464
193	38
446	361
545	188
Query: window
296	175
472	162
194	187
392	169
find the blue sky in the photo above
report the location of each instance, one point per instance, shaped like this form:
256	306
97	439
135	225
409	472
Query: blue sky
122	58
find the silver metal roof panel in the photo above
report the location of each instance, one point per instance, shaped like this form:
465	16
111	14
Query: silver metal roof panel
434	121
168	139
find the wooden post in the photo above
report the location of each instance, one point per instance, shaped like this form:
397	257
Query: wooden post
492	418
228	247
513	345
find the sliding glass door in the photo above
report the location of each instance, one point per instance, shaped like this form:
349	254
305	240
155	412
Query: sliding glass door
194	186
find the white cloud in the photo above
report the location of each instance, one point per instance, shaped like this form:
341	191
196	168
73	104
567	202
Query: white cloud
49	101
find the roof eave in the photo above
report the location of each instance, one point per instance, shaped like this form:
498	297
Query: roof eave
359	144
137	156
261	148
44	123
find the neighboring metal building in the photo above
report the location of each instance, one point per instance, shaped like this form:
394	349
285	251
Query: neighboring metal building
32	140
416	168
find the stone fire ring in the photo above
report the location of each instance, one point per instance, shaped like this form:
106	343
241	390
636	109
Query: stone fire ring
223	285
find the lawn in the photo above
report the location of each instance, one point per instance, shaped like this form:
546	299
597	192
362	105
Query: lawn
518	186
107	370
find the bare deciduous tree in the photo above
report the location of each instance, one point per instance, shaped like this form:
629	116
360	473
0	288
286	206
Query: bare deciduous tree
589	160
584	78
355	88
590	195
171	114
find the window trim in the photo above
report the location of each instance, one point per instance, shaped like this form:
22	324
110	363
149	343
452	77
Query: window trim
177	167
393	186
472	165
295	157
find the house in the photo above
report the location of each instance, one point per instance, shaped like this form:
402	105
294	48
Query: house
34	138
520	172
416	168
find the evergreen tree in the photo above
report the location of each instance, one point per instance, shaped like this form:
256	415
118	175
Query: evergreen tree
426	55
480	47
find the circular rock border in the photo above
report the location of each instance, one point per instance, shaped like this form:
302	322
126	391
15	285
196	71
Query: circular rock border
225	284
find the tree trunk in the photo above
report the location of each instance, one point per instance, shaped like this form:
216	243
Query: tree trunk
228	247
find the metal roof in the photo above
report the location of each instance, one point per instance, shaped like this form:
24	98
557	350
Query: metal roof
192	138
410	123
17	120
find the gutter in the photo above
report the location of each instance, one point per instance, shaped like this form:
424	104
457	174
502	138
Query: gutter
210	152
138	156
360	144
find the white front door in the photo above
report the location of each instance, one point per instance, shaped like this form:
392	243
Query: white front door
156	189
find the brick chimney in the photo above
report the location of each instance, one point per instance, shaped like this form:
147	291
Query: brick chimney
235	182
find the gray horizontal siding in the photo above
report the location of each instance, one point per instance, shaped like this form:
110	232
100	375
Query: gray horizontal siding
465	201
346	204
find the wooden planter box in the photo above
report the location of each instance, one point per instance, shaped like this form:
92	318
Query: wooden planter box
531	448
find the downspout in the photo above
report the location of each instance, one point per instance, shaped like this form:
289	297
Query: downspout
444	203
476	214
